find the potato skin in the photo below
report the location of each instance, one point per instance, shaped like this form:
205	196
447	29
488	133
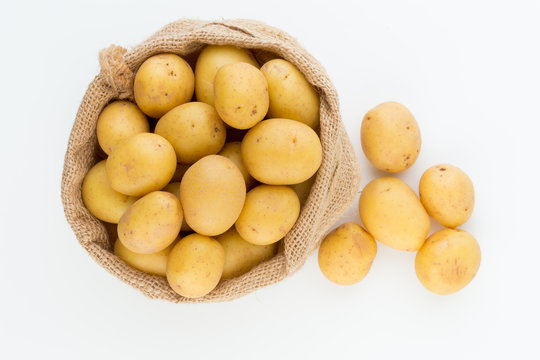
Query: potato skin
118	121
151	224
240	255
393	214
163	82
291	95
346	254
210	60
281	152
195	265
194	129
447	194
174	188
100	198
448	261
303	189
390	137
241	95
154	264
213	193
143	163
233	152
269	213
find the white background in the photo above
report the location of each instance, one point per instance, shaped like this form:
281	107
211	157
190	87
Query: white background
469	72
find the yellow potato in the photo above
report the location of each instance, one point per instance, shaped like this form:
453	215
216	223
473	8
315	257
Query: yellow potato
213	193
232	152
291	95
268	214
174	188
179	172
447	193
210	60
303	189
393	214
155	263
281	152
118	121
346	254
195	265
141	164
163	82
390	137
241	95
151	223
194	130
448	261
240	255
100	198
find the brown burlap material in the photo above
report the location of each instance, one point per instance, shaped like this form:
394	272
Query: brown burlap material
334	190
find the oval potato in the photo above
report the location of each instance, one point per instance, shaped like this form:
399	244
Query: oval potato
393	214
448	261
174	188
154	264
281	152
233	152
213	193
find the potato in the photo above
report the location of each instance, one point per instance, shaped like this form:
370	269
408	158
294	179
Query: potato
194	130
195	265
240	255
141	164
268	214
447	193
448	261
179	172
174	188
163	82
118	121
393	214
291	95
154	264
232	151
303	189
346	254
213	193
151	223
100	198
241	95
210	60
390	137
281	152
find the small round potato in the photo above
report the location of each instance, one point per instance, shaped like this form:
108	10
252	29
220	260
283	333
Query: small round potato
241	95
291	95
232	151
118	121
151	223
346	254
174	188
303	189
163	82
213	193
448	261
281	152
143	163
447	193
393	214
194	130
240	255
195	265
390	137
210	60
268	214
100	198
154	264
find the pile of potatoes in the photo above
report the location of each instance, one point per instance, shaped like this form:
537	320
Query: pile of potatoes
394	215
207	171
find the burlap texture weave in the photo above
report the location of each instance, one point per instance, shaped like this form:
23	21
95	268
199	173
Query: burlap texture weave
334	190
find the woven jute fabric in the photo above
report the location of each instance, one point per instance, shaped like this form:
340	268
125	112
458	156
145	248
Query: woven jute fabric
334	190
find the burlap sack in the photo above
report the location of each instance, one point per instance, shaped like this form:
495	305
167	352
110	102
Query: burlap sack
334	190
